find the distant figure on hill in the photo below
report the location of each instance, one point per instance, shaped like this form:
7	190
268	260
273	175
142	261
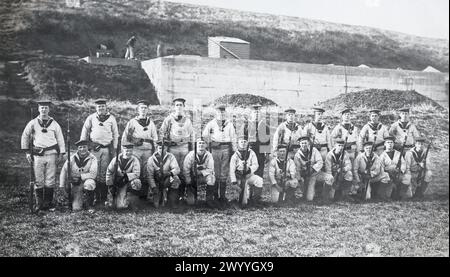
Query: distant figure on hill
130	46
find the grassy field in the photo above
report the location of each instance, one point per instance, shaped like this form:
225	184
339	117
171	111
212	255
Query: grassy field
411	228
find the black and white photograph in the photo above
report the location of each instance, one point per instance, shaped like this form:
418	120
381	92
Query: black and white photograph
224	129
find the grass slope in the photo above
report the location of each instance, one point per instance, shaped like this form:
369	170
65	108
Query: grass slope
56	29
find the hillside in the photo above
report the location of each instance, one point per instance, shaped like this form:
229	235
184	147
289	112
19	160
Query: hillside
52	27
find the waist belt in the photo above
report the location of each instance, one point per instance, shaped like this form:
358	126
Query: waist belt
409	146
219	144
39	151
98	146
348	145
318	146
148	140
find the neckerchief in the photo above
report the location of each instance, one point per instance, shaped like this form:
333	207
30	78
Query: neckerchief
241	154
280	164
404	126
144	122
336	157
391	154
44	124
375	127
103	117
157	157
319	126
81	162
349	127
293	127
366	159
304	155
418	156
124	164
201	158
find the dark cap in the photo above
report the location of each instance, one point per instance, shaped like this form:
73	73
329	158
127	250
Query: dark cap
391	138
81	142
281	146
377	111
367	143
127	145
182	100
160	142
144	102
404	109
303	138
220	107
421	139
290	110
319	109
100	101
44	102
346	110
379	143
340	141
256	107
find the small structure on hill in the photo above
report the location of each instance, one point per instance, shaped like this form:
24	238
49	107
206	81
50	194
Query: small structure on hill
430	69
363	66
74	3
228	48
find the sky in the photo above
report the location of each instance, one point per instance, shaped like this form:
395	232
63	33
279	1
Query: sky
428	18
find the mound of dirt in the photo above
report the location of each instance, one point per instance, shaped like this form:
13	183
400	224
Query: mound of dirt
243	100
63	79
383	99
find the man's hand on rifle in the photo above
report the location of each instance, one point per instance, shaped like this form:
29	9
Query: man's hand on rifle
124	179
278	187
75	181
155	191
62	157
29	158
422	165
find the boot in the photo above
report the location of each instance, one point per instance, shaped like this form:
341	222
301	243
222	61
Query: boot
223	188
210	197
48	200
420	190
257	201
290	195
191	195
90	200
39	196
182	189
172	198
156	196
216	190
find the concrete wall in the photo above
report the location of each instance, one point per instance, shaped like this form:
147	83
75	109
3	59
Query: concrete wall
112	61
288	84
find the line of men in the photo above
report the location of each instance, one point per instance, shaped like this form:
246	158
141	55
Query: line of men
169	167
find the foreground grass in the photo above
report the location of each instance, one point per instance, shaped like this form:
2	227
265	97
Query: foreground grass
341	229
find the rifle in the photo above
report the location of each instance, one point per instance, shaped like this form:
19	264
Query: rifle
423	170
31	191
308	165
399	163
341	163
283	184
69	169
241	194
116	167
195	170
367	188
161	173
